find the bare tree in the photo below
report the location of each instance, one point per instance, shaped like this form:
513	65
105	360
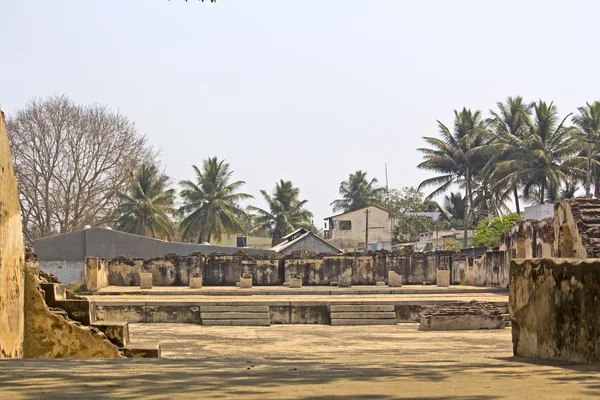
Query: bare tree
70	160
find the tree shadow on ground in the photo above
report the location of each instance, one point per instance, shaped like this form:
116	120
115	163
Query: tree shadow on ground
280	377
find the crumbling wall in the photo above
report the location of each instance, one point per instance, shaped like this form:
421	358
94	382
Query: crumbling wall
12	253
554	307
48	335
96	273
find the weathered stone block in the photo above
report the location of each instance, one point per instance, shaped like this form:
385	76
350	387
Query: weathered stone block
196	282
345	278
443	277
461	316
554	309
245	283
295	283
394	279
145	280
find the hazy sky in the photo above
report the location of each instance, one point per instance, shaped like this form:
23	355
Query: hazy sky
304	90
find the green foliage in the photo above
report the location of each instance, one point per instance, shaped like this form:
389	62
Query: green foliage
489	231
77	287
210	205
146	206
408	227
358	192
286	212
409	199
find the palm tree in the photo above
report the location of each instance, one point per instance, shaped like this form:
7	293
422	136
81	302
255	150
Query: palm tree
588	122
145	206
358	192
285	212
452	156
548	150
454	206
511	120
210	205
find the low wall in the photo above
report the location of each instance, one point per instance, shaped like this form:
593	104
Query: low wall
554	306
279	313
225	270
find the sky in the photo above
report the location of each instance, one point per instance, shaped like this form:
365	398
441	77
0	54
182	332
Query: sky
308	91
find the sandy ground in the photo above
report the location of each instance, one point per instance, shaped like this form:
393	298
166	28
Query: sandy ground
308	362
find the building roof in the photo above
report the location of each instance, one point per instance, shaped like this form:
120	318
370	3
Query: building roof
348	212
297	236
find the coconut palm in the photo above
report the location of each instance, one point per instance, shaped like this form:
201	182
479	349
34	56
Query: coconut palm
210	204
588	122
454	206
146	205
452	156
548	149
285	212
513	120
358	192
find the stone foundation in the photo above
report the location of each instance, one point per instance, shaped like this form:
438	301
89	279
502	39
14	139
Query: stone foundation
196	282
145	280
554	307
460	316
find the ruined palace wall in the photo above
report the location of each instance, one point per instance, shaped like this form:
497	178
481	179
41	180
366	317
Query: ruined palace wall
12	253
48	335
554	306
173	270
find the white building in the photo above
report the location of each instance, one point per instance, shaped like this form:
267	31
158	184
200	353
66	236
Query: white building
347	231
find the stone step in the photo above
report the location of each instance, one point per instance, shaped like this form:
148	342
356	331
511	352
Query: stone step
503	310
58	311
378	321
506	316
237	322
234	308
78	310
363	308
363	315
53	292
116	331
234	315
141	350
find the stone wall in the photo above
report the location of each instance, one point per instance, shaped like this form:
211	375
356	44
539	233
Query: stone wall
554	306
12	253
225	270
48	335
96	273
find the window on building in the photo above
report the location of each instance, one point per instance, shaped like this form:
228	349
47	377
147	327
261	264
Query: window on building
342	225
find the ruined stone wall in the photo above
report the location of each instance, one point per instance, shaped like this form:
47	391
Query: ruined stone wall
48	335
96	273
554	306
174	270
12	253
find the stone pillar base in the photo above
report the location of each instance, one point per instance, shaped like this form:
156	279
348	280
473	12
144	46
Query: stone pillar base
443	277
245	283
145	280
196	282
295	283
394	279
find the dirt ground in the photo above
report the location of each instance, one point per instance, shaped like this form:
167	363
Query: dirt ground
308	362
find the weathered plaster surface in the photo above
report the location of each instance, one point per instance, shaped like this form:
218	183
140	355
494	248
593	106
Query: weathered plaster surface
52	336
554	307
12	254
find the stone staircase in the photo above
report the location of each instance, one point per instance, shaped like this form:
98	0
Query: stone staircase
79	309
351	314
502	306
234	315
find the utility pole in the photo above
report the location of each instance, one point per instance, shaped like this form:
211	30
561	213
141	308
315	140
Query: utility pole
367	212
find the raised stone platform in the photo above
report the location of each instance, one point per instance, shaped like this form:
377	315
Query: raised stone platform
301	291
461	316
